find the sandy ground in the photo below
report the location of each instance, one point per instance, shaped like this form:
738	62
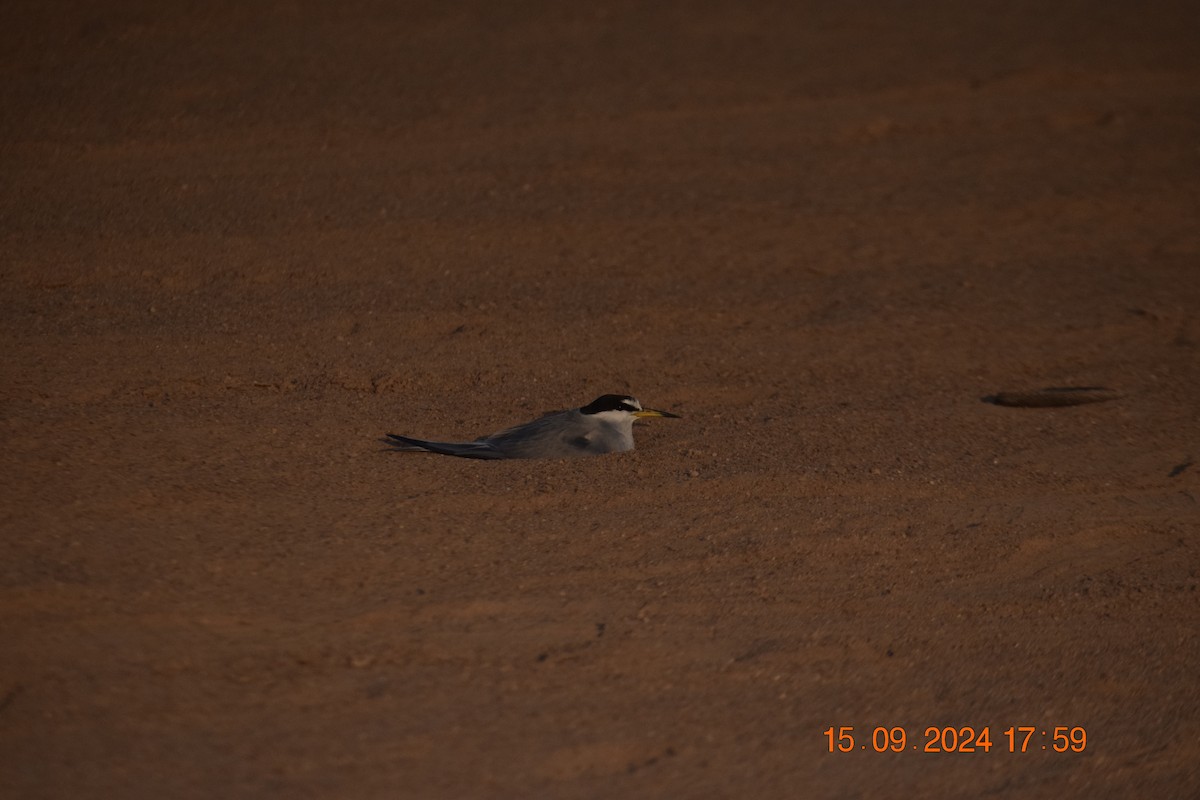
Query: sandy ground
240	242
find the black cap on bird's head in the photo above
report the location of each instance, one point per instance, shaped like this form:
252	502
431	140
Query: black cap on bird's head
622	402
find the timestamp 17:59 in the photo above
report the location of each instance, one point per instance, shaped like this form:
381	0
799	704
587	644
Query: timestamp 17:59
966	739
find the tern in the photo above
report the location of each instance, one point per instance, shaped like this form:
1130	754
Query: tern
604	425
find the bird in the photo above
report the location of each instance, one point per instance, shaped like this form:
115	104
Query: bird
604	425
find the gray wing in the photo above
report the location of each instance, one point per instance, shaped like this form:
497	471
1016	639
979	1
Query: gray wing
481	449
565	434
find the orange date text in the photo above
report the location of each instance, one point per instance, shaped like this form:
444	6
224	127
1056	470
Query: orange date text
951	739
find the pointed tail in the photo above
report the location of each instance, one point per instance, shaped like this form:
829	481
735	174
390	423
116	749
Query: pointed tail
460	449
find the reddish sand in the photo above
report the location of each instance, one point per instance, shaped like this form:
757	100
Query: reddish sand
240	243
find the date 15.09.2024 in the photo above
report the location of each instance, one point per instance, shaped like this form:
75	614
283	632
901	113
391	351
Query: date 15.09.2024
965	739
